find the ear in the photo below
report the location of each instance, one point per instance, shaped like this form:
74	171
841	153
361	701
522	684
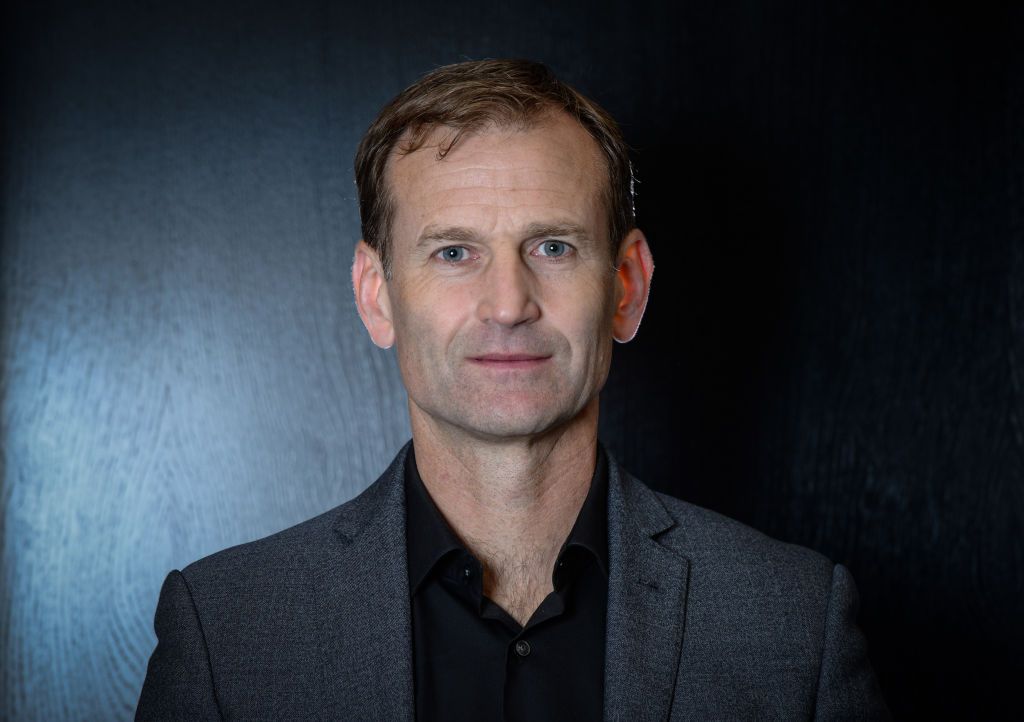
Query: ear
371	290
634	270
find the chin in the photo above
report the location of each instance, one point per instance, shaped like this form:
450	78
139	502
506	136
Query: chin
514	424
502	416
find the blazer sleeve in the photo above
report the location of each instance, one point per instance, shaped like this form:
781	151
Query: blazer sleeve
179	681
847	686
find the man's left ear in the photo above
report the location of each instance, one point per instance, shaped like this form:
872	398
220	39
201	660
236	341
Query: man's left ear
633	274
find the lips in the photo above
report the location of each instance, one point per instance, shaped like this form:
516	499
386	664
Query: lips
509	357
502	362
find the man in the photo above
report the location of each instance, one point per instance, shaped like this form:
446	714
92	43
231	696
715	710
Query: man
505	566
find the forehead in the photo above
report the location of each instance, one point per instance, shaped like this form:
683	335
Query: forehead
496	175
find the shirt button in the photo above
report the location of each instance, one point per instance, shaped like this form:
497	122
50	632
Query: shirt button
522	648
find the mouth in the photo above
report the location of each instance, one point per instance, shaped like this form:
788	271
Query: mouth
509	361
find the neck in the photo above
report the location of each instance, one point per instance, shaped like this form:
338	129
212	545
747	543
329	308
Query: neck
512	502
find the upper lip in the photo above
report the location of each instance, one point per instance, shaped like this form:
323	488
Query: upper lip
508	357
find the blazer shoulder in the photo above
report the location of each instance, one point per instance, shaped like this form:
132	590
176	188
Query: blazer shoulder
265	554
297	548
713	541
750	596
770	626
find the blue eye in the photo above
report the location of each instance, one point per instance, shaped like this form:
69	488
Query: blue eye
555	249
452	253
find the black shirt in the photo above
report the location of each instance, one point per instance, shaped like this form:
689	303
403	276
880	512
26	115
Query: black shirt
473	661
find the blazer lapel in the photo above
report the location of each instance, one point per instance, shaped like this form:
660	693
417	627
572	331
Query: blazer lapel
647	585
367	655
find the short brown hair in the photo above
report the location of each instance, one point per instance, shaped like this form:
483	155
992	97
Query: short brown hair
467	97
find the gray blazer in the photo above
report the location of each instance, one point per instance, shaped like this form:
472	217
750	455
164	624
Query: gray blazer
707	619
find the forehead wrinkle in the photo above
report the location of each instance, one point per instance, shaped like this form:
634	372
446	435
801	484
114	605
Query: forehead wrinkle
507	195
537	229
476	172
506	199
509	179
459	223
480	175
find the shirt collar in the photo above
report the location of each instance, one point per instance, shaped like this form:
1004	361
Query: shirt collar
429	538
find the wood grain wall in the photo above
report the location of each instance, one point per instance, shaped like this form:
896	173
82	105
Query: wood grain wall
833	350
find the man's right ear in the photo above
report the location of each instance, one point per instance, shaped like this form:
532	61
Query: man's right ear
371	290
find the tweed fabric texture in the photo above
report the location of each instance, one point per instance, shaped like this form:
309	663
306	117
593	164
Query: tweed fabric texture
707	619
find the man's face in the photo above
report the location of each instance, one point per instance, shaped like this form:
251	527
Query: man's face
503	287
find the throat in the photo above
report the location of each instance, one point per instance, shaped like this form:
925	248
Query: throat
519	588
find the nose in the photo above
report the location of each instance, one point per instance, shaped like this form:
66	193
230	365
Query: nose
507	293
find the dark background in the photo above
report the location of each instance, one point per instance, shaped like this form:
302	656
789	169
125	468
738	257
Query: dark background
833	351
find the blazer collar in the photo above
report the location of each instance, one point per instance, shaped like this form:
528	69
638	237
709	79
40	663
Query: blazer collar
367	651
647	586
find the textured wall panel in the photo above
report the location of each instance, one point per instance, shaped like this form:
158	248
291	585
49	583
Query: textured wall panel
832	353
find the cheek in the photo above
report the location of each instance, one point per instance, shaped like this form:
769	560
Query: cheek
585	317
427	321
598	295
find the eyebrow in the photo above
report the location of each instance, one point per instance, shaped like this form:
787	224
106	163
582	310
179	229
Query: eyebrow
461	234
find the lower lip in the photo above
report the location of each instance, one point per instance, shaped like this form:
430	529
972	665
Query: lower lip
509	365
